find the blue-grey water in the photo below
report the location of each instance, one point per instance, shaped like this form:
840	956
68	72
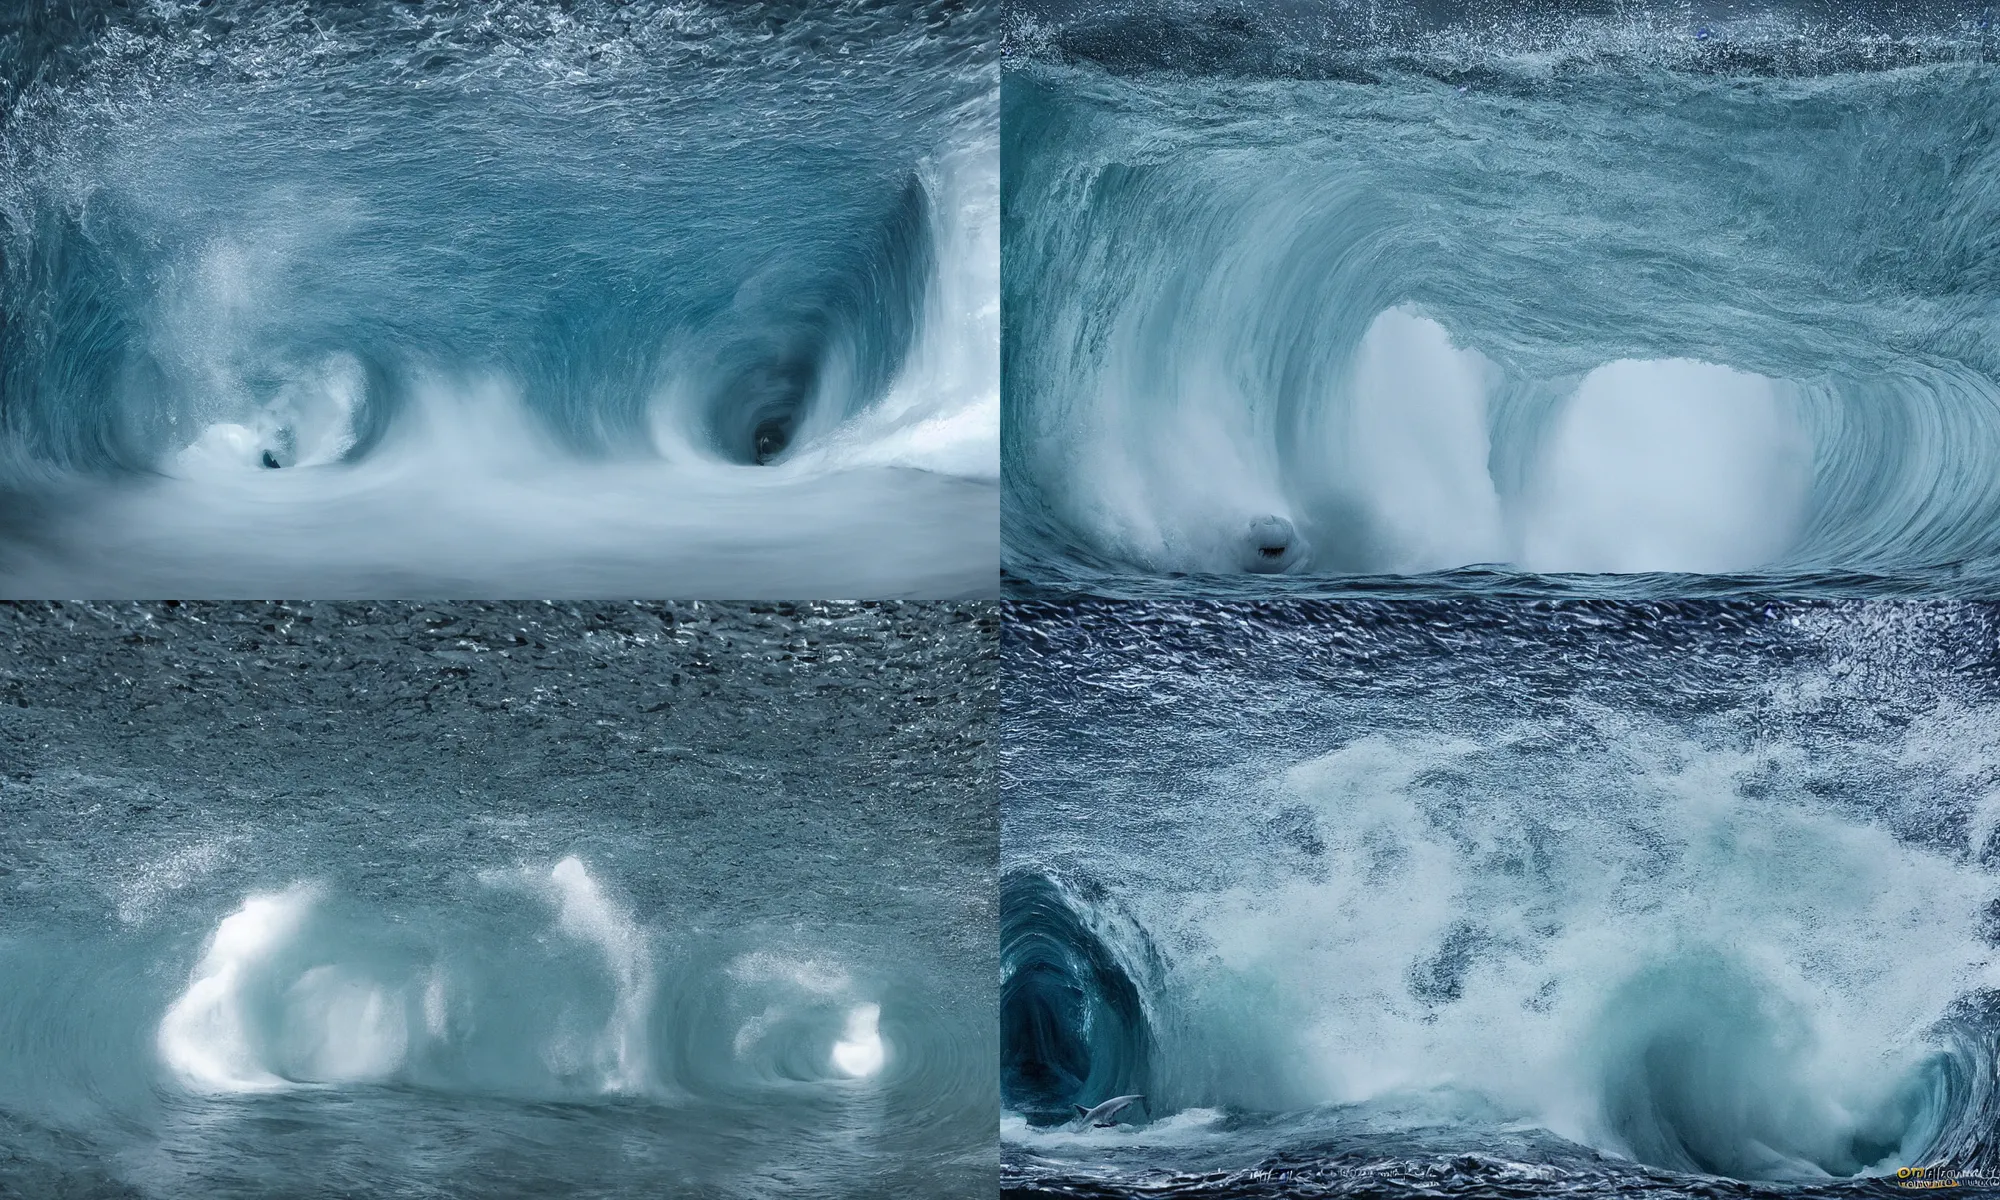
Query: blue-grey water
1434	298
521	298
496	901
1500	900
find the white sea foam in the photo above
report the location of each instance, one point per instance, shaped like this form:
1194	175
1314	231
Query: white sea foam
860	1052
1560	960
584	912
210	1037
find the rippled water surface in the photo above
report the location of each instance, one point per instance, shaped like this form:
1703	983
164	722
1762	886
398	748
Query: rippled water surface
317	901
1499	900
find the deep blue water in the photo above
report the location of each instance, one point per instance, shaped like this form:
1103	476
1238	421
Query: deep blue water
528	298
1337	299
1498	899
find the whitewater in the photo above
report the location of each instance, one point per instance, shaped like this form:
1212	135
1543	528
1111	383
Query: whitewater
303	901
1484	899
529	298
1411	298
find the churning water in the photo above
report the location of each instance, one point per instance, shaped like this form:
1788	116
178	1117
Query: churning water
523	298
1501	901
1325	297
514	901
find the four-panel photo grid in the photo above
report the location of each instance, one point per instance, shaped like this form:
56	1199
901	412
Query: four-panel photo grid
956	599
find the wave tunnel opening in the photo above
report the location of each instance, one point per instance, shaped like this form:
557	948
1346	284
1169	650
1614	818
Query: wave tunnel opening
1073	1025
1261	275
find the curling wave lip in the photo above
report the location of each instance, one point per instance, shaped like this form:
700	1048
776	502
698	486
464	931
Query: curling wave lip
286	313
373	897
1504	306
1489	898
284	996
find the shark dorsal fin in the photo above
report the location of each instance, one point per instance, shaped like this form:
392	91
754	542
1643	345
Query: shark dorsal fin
1081	1111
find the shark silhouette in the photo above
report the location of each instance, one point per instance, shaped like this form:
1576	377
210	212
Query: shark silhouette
1105	1115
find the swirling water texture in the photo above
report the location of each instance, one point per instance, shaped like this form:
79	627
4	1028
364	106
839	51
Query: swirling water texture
635	292
312	901
1485	899
1582	294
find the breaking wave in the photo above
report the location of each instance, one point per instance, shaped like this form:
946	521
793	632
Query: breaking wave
529	297
529	987
1709	893
1332	297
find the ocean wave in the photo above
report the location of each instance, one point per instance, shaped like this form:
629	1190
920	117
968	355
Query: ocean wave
1554	294
685	291
1492	900
539	983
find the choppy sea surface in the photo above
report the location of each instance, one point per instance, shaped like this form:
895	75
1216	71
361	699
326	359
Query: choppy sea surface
1433	299
1494	900
496	901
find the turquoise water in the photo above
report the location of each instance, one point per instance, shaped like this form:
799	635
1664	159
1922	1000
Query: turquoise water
1497	900
529	298
1318	300
507	900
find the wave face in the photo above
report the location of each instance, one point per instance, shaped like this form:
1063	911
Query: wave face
354	913
531	297
1479	899
1074	1020
1355	297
